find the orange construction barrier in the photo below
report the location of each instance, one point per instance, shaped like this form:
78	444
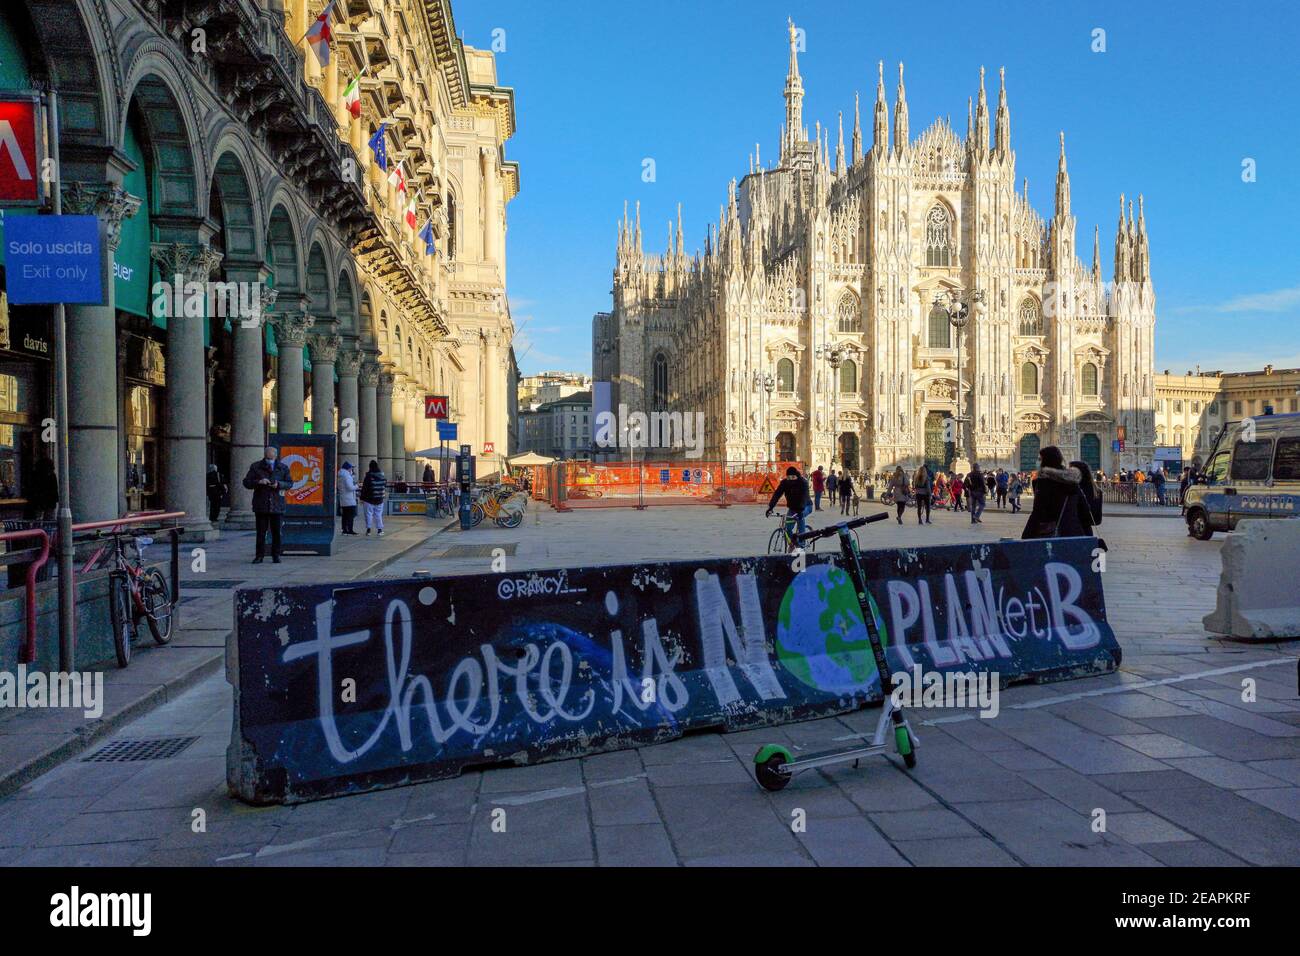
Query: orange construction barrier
589	484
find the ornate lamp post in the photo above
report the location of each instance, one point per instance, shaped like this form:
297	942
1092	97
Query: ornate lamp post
959	315
769	386
835	355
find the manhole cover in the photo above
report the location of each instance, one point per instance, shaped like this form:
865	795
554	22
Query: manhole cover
145	748
477	550
212	585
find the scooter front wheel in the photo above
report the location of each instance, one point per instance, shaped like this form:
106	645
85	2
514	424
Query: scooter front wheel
903	743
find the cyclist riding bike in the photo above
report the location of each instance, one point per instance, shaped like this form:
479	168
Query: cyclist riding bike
794	488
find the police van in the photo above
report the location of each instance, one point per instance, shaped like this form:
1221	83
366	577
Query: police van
1253	471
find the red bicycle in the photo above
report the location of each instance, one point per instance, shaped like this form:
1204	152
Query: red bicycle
135	592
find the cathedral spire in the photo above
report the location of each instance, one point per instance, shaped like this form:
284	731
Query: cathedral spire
982	119
793	95
681	246
900	115
638	226
1002	134
1122	251
857	130
1062	183
880	128
839	150
1096	252
970	122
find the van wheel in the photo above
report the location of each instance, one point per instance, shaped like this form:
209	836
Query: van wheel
1198	526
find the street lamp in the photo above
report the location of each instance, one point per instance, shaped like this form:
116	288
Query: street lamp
959	315
769	386
835	355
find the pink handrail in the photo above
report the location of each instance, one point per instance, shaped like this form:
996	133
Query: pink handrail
29	645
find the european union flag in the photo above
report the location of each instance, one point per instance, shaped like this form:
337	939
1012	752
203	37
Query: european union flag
377	143
427	235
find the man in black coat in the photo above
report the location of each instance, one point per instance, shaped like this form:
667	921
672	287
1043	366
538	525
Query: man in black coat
268	479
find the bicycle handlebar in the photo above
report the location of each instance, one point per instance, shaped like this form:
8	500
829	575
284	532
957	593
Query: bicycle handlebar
835	529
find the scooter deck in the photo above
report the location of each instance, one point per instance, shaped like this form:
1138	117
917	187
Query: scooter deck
823	757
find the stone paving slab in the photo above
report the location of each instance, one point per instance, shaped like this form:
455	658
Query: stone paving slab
1187	773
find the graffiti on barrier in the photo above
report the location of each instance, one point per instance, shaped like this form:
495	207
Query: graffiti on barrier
518	667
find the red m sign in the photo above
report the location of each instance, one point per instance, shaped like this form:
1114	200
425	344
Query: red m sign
18	154
435	406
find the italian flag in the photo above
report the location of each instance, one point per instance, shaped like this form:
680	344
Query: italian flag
352	97
410	213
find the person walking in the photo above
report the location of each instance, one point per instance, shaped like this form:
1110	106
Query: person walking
958	487
1158	479
1015	488
268	479
923	488
216	491
899	489
978	488
1089	499
818	486
347	483
832	483
846	491
1057	500
427	478
1002	481
372	496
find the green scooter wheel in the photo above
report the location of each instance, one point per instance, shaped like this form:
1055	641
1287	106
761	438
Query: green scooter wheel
903	743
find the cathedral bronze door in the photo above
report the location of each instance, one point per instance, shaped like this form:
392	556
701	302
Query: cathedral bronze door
785	446
939	450
849	451
1029	445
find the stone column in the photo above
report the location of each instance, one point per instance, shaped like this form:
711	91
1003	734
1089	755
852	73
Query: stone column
95	444
414	416
324	351
384	422
290	336
184	413
349	366
367	415
493	406
247	428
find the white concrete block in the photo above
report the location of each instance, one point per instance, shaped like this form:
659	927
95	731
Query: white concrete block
1259	587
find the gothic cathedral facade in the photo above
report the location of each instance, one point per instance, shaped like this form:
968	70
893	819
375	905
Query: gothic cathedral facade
810	328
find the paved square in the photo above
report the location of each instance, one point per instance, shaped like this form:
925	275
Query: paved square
1163	763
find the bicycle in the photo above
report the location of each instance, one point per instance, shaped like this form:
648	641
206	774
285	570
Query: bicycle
135	591
783	541
506	512
774	764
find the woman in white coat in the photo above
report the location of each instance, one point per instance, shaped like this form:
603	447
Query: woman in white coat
348	497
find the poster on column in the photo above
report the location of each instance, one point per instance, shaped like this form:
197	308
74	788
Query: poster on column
309	504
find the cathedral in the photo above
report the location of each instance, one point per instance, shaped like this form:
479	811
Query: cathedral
892	302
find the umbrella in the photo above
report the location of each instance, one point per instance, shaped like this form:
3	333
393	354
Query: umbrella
448	453
528	459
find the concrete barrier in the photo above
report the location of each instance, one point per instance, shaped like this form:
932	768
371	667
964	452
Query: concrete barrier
347	688
1257	596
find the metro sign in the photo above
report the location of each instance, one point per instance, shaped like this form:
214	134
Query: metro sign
489	448
435	406
19	157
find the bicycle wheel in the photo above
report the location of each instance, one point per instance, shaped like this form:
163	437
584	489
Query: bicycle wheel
121	615
157	598
509	519
475	515
776	543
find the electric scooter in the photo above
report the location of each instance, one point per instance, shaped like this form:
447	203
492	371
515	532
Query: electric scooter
774	765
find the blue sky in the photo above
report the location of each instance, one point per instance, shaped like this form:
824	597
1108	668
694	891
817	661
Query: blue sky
1183	94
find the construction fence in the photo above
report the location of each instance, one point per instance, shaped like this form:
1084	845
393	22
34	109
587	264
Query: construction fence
567	485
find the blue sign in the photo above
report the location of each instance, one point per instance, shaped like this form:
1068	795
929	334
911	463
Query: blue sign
52	259
1115	445
664	476
446	431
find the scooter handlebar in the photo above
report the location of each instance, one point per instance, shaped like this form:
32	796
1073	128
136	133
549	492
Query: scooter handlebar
834	529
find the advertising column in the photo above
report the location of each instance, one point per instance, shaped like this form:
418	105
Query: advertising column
308	524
